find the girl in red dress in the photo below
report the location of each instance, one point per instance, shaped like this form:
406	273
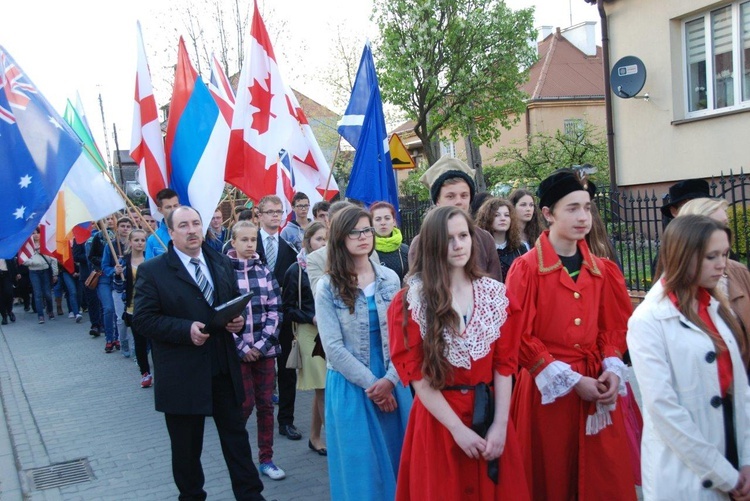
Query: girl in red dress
573	315
446	340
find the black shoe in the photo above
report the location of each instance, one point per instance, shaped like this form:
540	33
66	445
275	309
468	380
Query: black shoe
290	431
94	331
12	316
322	451
5	321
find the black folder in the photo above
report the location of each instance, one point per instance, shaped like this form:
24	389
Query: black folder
225	313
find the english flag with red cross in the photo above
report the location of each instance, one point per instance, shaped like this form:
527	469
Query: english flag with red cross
267	122
146	144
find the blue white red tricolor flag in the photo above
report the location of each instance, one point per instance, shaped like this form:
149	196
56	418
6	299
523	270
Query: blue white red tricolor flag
196	142
268	119
37	149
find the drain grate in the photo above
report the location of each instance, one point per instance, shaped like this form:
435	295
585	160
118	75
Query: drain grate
60	474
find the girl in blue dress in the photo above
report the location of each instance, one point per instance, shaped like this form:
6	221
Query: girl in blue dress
366	408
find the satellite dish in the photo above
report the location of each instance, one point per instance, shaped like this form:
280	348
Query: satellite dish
133	189
628	77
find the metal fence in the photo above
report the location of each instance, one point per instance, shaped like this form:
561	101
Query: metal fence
634	223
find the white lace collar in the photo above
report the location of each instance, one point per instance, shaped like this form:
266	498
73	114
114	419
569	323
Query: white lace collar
489	314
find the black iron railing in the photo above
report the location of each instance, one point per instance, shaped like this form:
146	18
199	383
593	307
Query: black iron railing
634	223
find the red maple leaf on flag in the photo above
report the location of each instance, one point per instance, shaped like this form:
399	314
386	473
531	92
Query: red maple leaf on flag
308	160
296	112
261	99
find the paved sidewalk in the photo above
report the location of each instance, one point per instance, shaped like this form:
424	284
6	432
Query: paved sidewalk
62	398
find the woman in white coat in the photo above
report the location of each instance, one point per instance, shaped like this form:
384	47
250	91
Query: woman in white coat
686	357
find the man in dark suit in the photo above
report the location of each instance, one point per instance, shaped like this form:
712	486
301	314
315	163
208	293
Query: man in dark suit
279	256
197	374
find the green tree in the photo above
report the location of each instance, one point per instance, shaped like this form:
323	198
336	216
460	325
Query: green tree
454	65
528	164
412	186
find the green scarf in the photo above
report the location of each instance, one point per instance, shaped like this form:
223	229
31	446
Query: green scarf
389	244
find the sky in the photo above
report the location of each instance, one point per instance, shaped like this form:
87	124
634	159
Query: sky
89	47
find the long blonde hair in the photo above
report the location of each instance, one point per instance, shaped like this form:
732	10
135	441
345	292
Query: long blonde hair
703	206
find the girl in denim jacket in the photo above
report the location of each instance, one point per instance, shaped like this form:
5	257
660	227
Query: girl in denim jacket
366	408
258	344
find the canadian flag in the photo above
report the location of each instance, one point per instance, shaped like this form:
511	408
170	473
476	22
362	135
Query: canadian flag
267	122
146	144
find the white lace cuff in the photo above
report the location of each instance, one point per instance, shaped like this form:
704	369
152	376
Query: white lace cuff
555	381
619	369
600	419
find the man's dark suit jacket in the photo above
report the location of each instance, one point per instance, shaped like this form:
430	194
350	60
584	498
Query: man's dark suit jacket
167	302
286	257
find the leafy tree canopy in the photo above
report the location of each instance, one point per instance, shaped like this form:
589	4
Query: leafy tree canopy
454	65
527	166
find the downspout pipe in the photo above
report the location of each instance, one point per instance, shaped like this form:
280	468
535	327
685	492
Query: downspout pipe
608	98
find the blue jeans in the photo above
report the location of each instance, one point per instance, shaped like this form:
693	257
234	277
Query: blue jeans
104	291
42	287
69	283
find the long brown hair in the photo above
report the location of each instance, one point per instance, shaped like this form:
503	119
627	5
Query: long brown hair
431	265
681	257
310	232
597	239
536	226
340	262
486	219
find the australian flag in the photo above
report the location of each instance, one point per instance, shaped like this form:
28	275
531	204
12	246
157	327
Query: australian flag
37	149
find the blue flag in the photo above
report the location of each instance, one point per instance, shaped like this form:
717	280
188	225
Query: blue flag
37	149
372	178
350	126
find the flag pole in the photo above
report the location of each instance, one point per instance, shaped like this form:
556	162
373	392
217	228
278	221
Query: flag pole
127	200
330	171
109	240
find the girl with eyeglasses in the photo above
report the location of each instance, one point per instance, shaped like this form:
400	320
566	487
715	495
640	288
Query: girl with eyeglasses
366	407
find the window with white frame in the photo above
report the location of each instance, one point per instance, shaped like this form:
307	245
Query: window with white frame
447	148
717	59
573	127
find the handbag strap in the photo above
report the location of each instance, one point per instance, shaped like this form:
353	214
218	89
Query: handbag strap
299	298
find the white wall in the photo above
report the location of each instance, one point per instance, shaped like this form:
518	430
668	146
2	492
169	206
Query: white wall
651	145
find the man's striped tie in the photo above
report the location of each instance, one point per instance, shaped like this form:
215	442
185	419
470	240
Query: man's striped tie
271	252
200	278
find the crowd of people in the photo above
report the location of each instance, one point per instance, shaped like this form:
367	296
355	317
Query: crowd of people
484	360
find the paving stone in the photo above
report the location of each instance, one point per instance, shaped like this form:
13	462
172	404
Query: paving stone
63	398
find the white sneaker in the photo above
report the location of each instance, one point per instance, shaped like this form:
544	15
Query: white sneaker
272	471
70	315
79	318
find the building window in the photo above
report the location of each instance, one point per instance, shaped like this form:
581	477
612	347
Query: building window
717	43
573	127
447	148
